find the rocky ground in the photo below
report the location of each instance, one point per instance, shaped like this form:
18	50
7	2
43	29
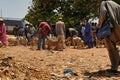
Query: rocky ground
24	63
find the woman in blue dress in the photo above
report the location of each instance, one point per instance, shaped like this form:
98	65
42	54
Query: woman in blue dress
88	38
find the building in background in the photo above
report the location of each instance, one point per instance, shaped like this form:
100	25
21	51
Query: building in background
12	22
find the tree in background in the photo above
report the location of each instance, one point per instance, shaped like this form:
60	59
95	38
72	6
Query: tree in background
72	11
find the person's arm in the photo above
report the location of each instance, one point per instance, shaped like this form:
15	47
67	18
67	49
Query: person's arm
102	14
38	30
64	28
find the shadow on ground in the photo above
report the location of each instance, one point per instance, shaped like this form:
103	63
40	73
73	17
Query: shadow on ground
102	73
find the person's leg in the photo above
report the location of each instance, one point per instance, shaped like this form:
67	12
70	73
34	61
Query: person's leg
43	42
18	33
23	34
113	55
39	42
4	41
26	34
15	33
63	40
88	43
31	36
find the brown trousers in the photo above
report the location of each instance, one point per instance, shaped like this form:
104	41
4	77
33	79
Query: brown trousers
61	44
111	43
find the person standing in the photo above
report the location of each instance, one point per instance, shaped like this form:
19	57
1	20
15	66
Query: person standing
78	27
32	30
15	30
3	33
111	8
25	30
88	34
60	31
43	29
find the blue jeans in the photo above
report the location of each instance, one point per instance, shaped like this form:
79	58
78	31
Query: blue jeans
41	41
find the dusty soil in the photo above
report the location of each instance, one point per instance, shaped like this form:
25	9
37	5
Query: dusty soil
22	63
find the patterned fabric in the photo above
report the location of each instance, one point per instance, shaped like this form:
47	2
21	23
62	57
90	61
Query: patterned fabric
44	28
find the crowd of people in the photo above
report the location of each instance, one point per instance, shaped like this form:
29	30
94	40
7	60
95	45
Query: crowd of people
28	31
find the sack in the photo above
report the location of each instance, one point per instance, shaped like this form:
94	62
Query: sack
104	31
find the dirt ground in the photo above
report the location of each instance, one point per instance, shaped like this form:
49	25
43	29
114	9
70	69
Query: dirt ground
22	63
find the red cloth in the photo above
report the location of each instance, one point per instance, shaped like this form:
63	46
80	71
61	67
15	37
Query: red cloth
3	34
44	28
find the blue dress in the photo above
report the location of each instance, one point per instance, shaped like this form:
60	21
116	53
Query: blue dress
88	39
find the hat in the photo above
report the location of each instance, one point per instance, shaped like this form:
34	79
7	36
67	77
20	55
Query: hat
1	19
60	18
